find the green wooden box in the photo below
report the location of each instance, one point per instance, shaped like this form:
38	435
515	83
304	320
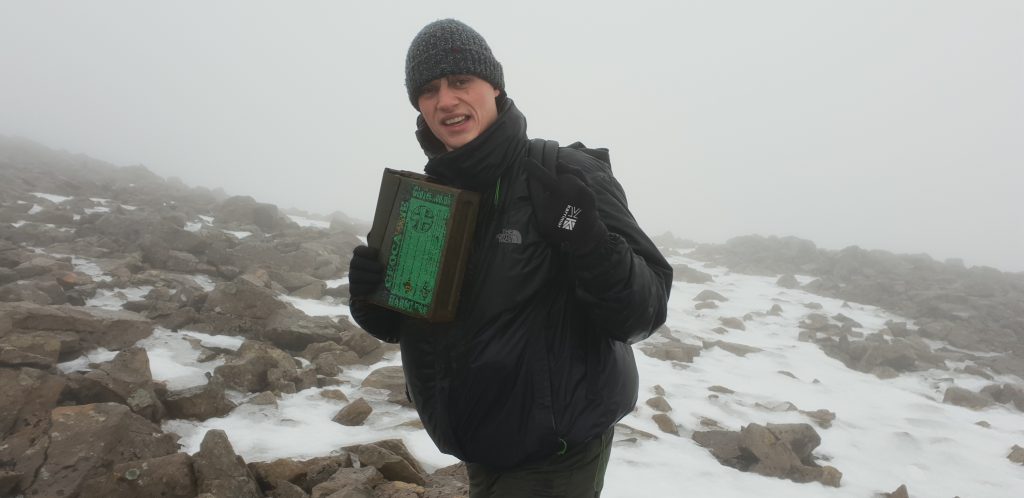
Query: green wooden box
423	231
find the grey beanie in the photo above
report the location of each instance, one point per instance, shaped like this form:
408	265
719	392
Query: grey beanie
448	47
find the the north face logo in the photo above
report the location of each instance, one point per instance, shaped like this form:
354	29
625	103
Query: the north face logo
569	217
510	236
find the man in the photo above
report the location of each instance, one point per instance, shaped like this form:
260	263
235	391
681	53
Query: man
527	383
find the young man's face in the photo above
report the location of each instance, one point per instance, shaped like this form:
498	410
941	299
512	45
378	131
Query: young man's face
458	108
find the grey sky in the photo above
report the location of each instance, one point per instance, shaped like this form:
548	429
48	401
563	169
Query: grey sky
893	125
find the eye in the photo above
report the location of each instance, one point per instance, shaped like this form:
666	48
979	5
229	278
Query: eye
461	81
428	89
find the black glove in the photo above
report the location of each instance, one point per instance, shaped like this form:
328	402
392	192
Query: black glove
565	208
365	273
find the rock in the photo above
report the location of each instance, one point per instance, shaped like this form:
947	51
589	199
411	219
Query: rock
181	262
249	371
709	295
684	273
293	281
86	439
822	417
26	397
788	281
221	472
776	310
1005	394
391	458
845	320
280	470
968	399
293	330
40	350
240	299
801	438
41	266
265	398
321	469
721	389
244	210
1016	454
311	291
732	347
723	445
658	390
705	305
671	351
659	403
354	413
334	394
199	402
285	489
901	492
665	423
114	330
349	483
390	379
732	323
126	379
168	476
632	434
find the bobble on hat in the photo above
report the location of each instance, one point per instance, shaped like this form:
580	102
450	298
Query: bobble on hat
447	47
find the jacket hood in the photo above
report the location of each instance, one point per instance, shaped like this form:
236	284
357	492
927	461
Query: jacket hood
478	164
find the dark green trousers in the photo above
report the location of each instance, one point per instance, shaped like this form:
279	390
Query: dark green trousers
578	473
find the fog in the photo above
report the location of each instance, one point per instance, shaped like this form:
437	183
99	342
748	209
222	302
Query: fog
887	125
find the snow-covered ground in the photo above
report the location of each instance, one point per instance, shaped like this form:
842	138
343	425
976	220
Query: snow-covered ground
886	432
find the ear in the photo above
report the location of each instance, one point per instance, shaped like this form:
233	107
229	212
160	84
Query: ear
496	92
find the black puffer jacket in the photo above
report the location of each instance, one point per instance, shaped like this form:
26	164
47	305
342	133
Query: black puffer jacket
540	352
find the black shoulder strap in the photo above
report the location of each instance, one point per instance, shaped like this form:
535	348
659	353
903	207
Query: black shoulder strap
544	152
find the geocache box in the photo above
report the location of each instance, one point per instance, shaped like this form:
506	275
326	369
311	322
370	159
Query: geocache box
423	231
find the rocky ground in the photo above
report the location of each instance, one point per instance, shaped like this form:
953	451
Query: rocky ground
95	258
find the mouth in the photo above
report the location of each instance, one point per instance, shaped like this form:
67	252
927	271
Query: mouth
455	120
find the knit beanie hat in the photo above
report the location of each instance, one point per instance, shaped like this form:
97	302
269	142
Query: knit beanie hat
448	47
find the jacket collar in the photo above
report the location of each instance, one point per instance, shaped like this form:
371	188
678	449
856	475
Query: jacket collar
478	164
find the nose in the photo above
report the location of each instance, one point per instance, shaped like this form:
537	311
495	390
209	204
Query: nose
446	98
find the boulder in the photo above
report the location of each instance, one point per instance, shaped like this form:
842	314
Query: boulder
658	403
199	402
788	281
390	379
349	482
85	440
705	305
285	489
249	371
292	281
391	458
732	347
126	379
732	323
671	351
291	329
968	399
168	476
27	396
782	451
244	210
354	413
684	273
39	350
240	299
109	329
665	423
709	295
1016	455
181	262
221	472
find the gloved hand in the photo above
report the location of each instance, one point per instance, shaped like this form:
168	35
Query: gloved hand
565	208
365	273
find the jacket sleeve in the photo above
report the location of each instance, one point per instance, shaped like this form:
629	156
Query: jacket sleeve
382	323
624	282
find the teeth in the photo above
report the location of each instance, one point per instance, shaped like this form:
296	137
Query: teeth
456	120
